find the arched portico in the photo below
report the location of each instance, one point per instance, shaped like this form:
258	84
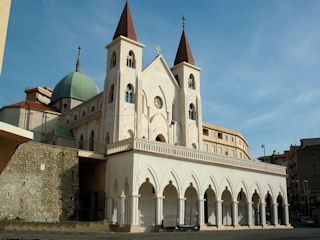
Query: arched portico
191	206
280	210
226	208
210	202
268	209
146	204
170	205
256	209
242	208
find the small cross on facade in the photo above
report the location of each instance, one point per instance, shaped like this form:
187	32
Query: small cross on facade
158	49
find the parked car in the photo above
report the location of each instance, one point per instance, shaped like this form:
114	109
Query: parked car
306	220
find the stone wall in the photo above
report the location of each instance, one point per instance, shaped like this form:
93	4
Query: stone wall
40	184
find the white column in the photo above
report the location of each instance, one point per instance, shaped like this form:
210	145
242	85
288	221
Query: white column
286	214
235	213
249	213
275	213
159	210
134	210
263	214
219	212
181	206
201	212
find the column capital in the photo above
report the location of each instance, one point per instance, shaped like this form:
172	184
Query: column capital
160	197
135	195
250	203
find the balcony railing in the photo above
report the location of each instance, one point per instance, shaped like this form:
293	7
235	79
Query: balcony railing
193	155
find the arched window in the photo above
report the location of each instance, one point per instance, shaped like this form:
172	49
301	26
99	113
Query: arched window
81	142
91	141
129	93
131	61
113	60
111	92
160	138
191	83
192	112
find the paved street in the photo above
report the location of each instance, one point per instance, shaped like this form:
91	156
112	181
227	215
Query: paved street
296	233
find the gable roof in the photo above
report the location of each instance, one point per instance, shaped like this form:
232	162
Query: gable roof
125	25
33	105
184	52
161	60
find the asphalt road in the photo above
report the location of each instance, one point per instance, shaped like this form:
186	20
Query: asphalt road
296	233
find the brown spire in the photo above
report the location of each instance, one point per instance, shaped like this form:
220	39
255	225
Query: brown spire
125	25
184	52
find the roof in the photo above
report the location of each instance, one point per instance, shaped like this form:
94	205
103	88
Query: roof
184	52
33	105
75	85
62	132
125	25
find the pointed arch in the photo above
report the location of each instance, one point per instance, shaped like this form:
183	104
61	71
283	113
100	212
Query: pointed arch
192	112
131	60
171	175
191	82
129	93
192	178
227	183
113	60
243	185
111	94
150	173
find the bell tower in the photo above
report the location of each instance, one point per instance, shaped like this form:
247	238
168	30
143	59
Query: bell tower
188	77
124	65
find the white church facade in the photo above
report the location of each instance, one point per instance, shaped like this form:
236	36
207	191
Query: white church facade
147	127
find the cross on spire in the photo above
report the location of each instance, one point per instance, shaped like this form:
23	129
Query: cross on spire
78	60
183	20
79	49
158	49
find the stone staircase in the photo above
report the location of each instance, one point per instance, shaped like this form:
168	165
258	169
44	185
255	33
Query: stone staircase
67	226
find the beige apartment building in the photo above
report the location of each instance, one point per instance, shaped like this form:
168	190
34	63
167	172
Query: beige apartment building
224	141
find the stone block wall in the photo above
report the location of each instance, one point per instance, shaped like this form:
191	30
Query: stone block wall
40	184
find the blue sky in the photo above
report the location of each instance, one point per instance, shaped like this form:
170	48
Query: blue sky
260	60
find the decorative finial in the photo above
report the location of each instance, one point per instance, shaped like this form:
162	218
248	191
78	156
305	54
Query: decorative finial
78	61
158	49
183	20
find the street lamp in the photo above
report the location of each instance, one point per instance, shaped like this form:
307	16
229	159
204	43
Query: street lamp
306	182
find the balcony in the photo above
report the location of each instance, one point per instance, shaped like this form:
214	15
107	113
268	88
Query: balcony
192	155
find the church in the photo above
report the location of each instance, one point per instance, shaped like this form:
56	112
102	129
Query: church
141	149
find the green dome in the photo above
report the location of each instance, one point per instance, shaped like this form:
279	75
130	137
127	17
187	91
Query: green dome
75	85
